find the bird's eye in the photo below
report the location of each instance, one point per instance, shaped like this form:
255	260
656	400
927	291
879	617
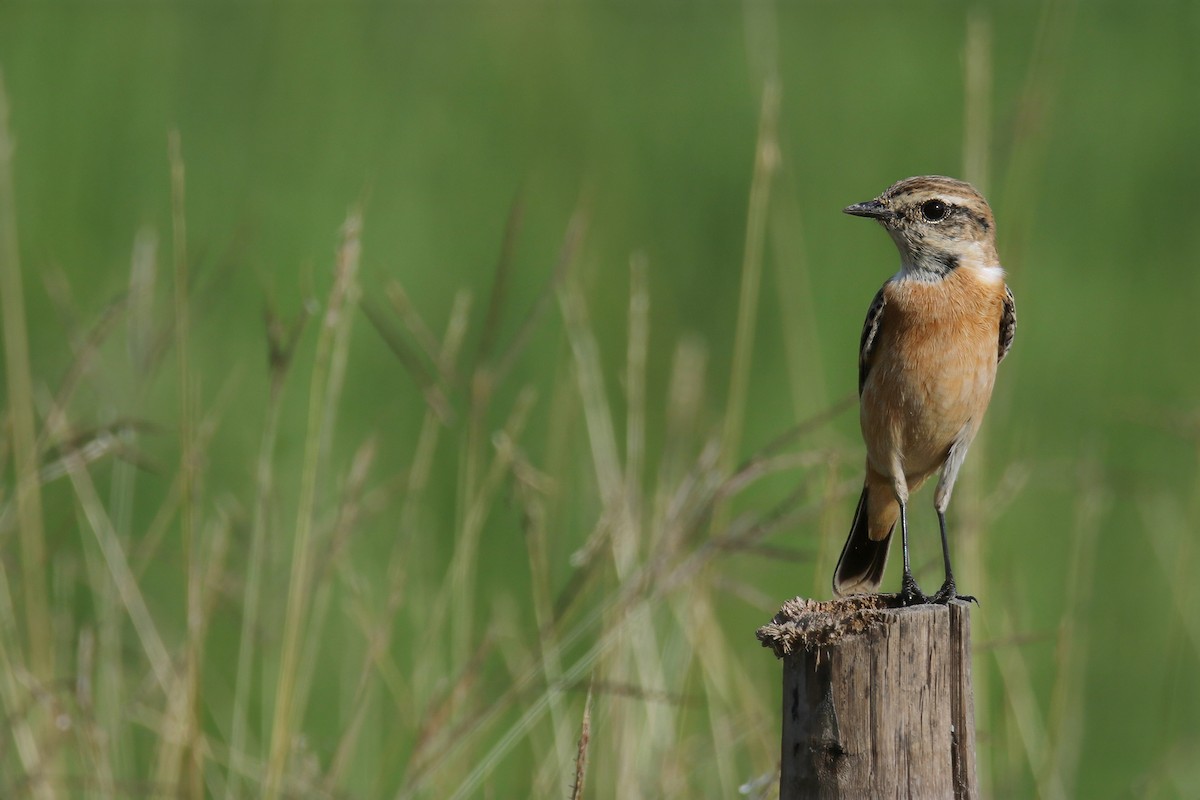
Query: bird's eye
934	210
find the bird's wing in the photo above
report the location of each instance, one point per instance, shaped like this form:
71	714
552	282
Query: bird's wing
1008	324
870	332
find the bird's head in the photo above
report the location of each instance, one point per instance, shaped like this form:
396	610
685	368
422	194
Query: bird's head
937	223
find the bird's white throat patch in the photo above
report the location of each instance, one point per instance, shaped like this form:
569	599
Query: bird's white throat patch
992	274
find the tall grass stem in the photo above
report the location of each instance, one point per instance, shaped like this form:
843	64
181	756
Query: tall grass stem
321	393
30	523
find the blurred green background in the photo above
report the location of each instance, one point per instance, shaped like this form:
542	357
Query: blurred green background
1079	120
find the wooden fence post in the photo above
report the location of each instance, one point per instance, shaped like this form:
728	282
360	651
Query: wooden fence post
877	700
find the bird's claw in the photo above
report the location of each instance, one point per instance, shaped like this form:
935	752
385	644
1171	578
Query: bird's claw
911	594
949	592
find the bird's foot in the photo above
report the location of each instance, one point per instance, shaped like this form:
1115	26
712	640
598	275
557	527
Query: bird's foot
949	592
911	594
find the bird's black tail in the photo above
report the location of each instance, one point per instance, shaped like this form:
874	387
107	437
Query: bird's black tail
860	568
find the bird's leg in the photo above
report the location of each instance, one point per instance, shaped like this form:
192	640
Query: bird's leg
948	591
910	593
941	501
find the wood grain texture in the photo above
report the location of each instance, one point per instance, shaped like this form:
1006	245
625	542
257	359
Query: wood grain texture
876	701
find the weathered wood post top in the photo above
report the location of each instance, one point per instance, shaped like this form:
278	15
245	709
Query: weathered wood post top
877	699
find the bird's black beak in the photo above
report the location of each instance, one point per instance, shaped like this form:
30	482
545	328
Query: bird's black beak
872	208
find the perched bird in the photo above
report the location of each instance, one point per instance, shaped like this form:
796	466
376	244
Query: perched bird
932	340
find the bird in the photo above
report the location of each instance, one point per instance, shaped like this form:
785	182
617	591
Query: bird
933	338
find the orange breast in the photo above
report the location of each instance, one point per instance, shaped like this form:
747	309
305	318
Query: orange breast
931	371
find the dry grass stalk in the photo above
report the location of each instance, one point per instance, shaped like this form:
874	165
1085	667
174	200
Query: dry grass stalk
766	164
585	741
